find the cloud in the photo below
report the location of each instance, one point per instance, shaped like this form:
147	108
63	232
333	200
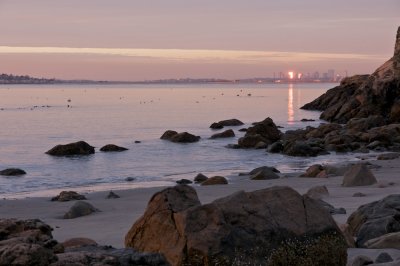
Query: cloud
194	55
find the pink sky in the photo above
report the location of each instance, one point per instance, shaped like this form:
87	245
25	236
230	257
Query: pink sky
138	40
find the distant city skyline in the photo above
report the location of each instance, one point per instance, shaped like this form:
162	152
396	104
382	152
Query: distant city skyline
135	40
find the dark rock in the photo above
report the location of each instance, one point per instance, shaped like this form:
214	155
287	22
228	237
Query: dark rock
307	120
226	123
184	137
168	134
263	168
383	258
112	148
375	219
275	147
137	141
78	242
68	196
264	174
302	148
226	134
388	156
313	170
26	242
216	125
130	179
366	123
273	226
265	131
76	148
200	178
359	194
184	182
358	175
317	192
243	130
332	210
112	195
12	172
363	96
215	180
80	208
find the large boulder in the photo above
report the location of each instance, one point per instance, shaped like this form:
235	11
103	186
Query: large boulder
265	131
80	208
273	226
12	172
112	148
358	175
76	148
391	240
375	219
26	242
363	96
184	137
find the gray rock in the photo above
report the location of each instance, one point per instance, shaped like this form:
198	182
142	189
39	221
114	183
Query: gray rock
359	194
332	210
358	175
391	240
313	170
388	156
12	172
80	208
362	260
112	195
275	147
130	179
318	192
383	258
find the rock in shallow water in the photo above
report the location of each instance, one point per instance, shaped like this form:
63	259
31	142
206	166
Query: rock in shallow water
274	226
12	172
112	148
76	148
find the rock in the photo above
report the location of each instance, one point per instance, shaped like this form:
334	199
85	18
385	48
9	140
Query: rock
200	178
359	194
383	258
12	172
243	130
76	148
275	147
264	173
130	179
318	192
358	175
273	226
184	181
361	260
388	156
78	242
337	170
363	96
68	196
112	195
347	235
307	120
332	210
168	134
313	170
265	131
215	180
261	145
226	123
391	240
263	168
26	242
184	137
375	219
302	148
322	174
137	141
112	148
80	208
226	134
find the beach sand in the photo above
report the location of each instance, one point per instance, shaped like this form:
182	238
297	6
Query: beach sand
116	216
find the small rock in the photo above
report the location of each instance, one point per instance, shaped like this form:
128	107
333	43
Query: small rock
200	178
332	210
361	260
168	134
358	175
184	181
275	147
12	172
112	195
383	258
318	192
388	156
137	141
184	137
80	208
68	196
243	130
215	180
78	242
76	148
112	148
264	174
322	174
313	170
359	194
216	125
307	120
263	168
226	134
130	179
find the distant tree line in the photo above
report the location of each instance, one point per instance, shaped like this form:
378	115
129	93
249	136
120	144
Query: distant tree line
15	79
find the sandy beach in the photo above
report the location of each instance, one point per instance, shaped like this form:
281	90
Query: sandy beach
116	216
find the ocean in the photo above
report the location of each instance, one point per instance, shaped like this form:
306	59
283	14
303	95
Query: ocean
34	118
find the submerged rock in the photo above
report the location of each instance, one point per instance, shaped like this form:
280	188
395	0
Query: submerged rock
76	148
226	123
183	137
274	226
112	148
12	172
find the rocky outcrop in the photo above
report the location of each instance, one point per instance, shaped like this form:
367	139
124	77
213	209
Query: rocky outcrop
112	148
183	137
274	226
12	172
68	196
375	219
76	148
226	134
226	123
358	175
363	96
265	131
80	208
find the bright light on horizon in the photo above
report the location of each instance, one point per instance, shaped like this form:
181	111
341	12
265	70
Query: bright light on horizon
291	74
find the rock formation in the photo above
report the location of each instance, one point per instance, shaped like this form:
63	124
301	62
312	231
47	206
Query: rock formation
226	123
273	226
76	148
363	96
183	137
261	132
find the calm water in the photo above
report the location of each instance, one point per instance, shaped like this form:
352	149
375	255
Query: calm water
122	114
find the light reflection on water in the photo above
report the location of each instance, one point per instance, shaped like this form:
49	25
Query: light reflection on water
122	114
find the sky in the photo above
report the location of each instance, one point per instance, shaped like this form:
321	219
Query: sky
158	39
